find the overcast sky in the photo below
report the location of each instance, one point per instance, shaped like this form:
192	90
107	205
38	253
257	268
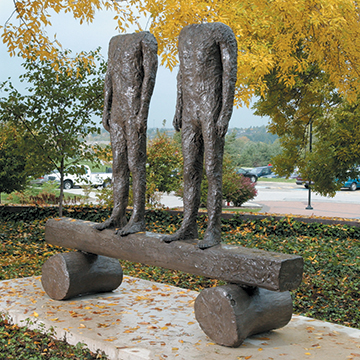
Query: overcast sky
85	37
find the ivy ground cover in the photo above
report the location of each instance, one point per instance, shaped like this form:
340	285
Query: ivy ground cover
331	281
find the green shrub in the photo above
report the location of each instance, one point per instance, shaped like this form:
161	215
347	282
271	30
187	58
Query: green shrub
238	189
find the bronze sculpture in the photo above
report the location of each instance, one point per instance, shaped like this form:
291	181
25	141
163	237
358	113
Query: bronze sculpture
129	84
256	298
205	95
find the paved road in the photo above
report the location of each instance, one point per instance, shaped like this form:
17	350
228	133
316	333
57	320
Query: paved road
284	198
272	191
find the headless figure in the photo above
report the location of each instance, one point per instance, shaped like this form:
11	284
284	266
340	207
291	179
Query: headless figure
129	84
205	96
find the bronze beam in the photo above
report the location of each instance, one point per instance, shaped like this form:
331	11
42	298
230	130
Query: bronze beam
234	264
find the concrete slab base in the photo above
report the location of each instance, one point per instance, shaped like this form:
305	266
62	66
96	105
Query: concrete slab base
147	320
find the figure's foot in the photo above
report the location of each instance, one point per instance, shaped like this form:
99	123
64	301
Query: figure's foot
111	223
132	227
211	238
181	234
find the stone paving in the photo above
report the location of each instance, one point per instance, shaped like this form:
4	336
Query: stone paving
148	320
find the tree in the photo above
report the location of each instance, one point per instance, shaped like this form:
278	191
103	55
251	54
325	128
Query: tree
164	163
58	110
256	154
243	152
13	176
318	129
268	34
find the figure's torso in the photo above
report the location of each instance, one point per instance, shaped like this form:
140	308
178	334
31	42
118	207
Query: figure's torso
126	63
200	61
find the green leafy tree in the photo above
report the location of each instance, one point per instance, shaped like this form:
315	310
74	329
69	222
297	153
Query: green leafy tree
58	110
13	175
256	154
164	163
318	129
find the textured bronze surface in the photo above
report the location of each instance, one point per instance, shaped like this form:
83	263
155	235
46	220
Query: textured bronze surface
205	96
75	273
235	264
129	84
229	314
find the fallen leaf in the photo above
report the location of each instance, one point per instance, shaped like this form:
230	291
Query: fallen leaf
102	325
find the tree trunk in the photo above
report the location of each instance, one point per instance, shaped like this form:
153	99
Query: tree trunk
61	188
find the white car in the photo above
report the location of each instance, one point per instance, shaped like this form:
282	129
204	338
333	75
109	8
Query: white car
71	180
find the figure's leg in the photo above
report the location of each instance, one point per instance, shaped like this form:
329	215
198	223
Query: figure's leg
214	150
137	165
193	153
120	181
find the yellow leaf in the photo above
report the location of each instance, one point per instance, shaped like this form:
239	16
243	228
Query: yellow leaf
35	314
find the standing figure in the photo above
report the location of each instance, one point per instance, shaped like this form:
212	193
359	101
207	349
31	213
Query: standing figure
129	84
205	96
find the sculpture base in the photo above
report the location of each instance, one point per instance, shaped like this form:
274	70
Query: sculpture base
229	314
72	274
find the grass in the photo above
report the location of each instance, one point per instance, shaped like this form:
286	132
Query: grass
277	180
22	343
329	291
241	210
48	193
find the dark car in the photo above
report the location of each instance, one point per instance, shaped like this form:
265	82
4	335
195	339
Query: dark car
263	171
248	173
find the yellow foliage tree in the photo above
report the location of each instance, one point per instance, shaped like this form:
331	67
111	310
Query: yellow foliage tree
268	32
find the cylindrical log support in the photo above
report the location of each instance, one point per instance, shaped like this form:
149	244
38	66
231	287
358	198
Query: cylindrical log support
77	273
229	314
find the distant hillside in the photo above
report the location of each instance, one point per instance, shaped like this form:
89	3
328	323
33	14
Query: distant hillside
254	134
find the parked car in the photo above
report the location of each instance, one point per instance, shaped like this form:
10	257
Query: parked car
263	171
300	181
248	173
43	179
352	184
71	180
